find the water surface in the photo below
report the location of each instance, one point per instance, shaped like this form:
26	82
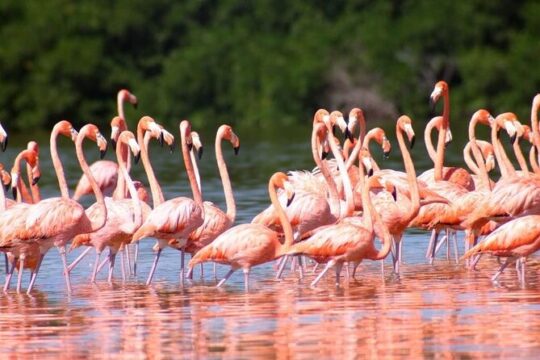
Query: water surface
440	310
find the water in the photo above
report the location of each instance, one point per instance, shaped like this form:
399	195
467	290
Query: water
439	310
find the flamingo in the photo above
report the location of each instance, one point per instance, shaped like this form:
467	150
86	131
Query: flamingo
350	240
21	250
311	208
3	138
487	159
54	221
514	240
215	220
173	220
247	245
124	216
34	195
106	171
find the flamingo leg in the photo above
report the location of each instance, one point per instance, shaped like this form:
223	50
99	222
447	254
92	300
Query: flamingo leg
102	264
135	257
215	271
182	260
226	277
315	268
282	267
448	233
300	267
34	274
122	264
62	251
78	259
128	258
19	276
7	262
433	248
475	261
246	279
347	270
355	267
443	241
338	267
326	268
153	269
202	271
508	261
189	274
9	275
430	245
95	270
400	251
112	257
456	254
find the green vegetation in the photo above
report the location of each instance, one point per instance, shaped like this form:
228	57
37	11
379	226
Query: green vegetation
258	63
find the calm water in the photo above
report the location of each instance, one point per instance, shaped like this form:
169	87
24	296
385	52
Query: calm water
430	311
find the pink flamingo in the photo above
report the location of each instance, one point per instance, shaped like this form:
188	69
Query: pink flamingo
13	248
54	221
3	138
171	221
350	240
514	240
215	220
105	171
247	245
124	216
34	195
487	158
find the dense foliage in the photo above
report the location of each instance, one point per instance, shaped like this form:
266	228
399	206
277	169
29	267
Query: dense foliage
262	62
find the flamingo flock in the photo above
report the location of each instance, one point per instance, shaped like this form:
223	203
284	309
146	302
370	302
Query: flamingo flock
346	210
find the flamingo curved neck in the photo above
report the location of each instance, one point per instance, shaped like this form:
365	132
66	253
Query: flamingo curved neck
533	159
57	164
225	180
471	164
120	190
507	170
411	176
349	197
520	158
189	169
131	187
99	222
438	174
429	144
480	167
365	145
283	219
143	138
335	207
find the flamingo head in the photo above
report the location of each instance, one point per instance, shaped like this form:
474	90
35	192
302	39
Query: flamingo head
440	88
125	95
483	117
365	158
117	126
527	133
127	137
31	157
65	128
3	138
280	180
168	138
355	116
507	121
91	131
404	124
197	144
228	134
380	137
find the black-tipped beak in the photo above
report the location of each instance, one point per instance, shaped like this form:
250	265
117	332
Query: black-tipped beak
386	154
35	180
113	142
370	172
14	193
136	158
135	105
394	194
289	200
102	153
4	144
161	139
190	147
432	103
413	139
200	153
6	187
349	135
513	139
334	130
172	146
324	155
236	150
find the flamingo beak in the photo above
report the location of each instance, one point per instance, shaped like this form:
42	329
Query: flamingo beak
370	172
411	141
386	154
394	194
35	180
236	150
348	134
136	158
161	139
290	199
171	146
103	152
200	153
4	144
14	193
190	146
113	142
135	104
324	155
6	187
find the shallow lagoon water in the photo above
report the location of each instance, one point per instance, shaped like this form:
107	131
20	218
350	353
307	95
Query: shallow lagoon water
440	310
